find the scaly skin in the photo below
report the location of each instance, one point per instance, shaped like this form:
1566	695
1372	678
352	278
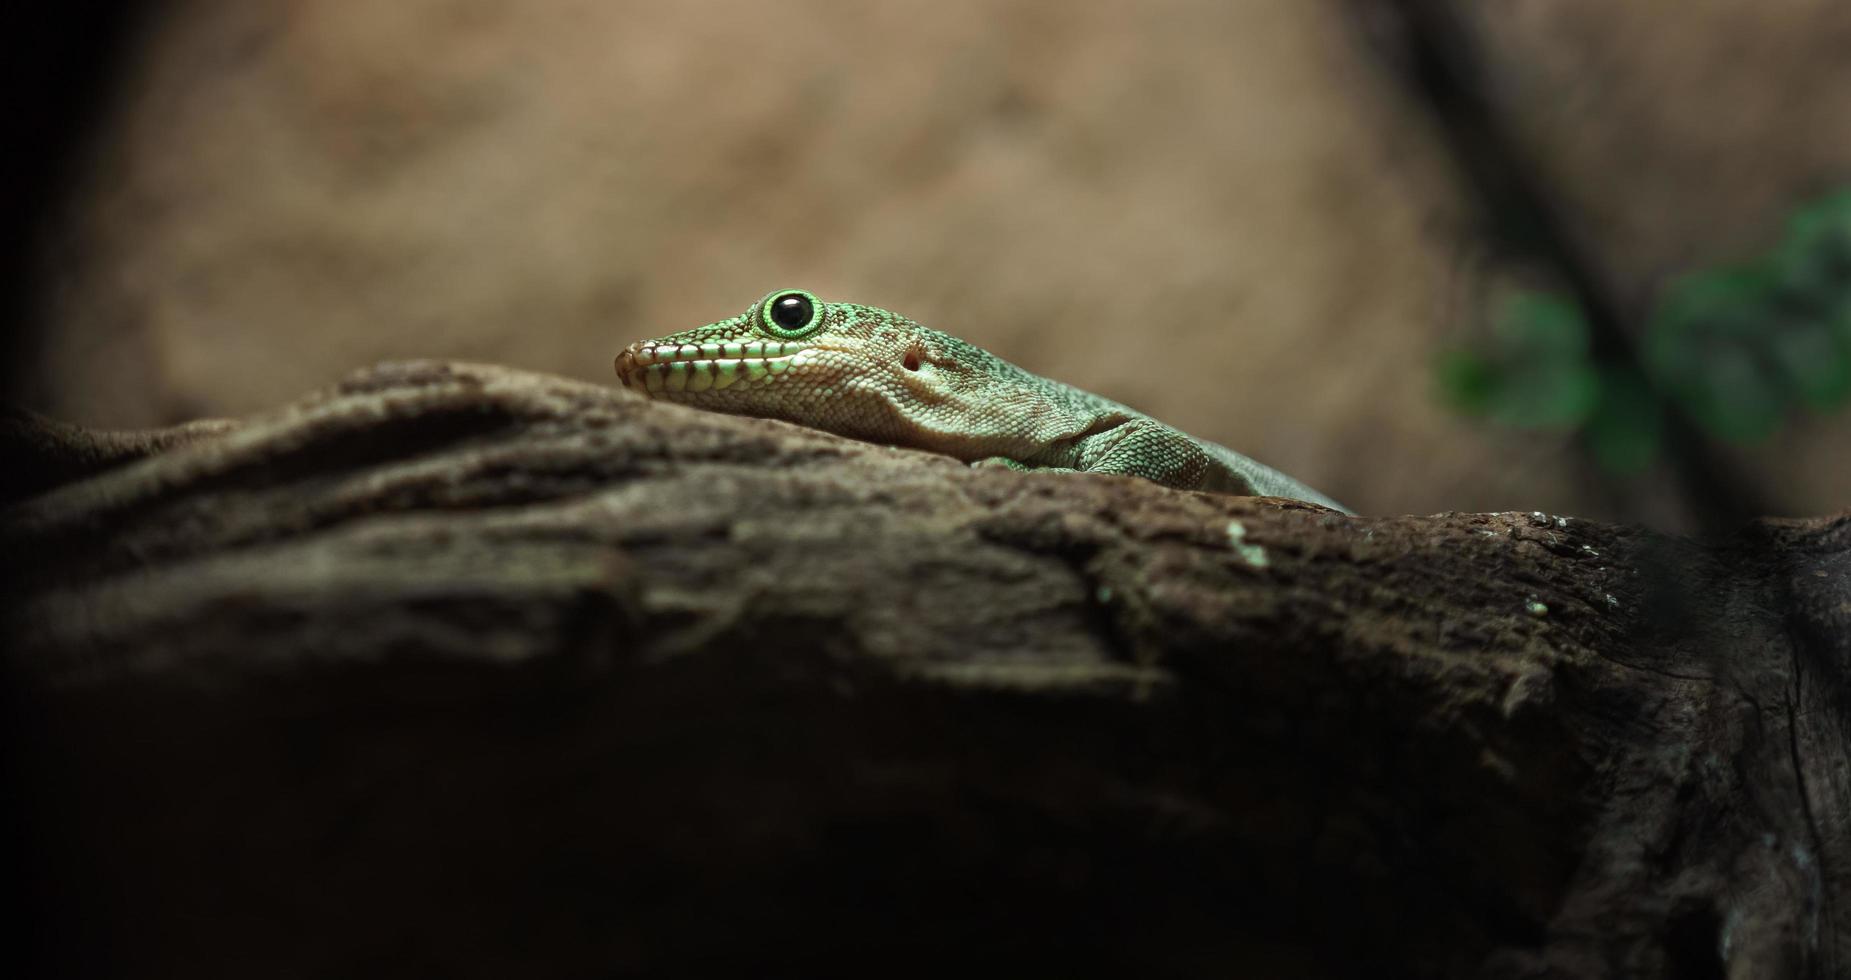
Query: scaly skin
866	373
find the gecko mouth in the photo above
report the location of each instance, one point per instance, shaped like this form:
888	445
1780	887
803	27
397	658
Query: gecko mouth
669	369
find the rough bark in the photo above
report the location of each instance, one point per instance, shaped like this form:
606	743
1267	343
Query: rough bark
466	671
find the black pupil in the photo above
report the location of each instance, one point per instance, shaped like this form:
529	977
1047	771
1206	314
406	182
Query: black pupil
791	311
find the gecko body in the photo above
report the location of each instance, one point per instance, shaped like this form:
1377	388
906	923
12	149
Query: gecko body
870	374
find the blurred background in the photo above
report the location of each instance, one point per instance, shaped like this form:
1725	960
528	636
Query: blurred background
1555	255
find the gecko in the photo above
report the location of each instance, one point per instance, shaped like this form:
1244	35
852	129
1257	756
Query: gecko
870	374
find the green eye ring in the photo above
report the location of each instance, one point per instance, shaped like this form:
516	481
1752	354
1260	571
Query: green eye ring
790	313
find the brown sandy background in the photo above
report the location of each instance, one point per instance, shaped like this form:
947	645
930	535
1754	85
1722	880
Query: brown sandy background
1232	215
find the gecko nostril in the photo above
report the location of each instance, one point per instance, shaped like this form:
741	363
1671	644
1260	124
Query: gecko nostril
911	361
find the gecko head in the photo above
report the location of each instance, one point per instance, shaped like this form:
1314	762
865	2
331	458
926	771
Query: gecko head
857	371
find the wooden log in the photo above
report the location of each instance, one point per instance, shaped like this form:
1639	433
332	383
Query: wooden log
461	670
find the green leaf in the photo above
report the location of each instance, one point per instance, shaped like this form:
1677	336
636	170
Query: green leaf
1724	303
1466	381
1709	346
1543	326
1547	396
1814	259
1627	427
1737	397
1813	359
1534	370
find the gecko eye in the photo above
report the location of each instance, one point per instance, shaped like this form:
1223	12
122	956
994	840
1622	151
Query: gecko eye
791	313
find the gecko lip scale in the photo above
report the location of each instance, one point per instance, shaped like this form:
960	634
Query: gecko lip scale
645	352
668	369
